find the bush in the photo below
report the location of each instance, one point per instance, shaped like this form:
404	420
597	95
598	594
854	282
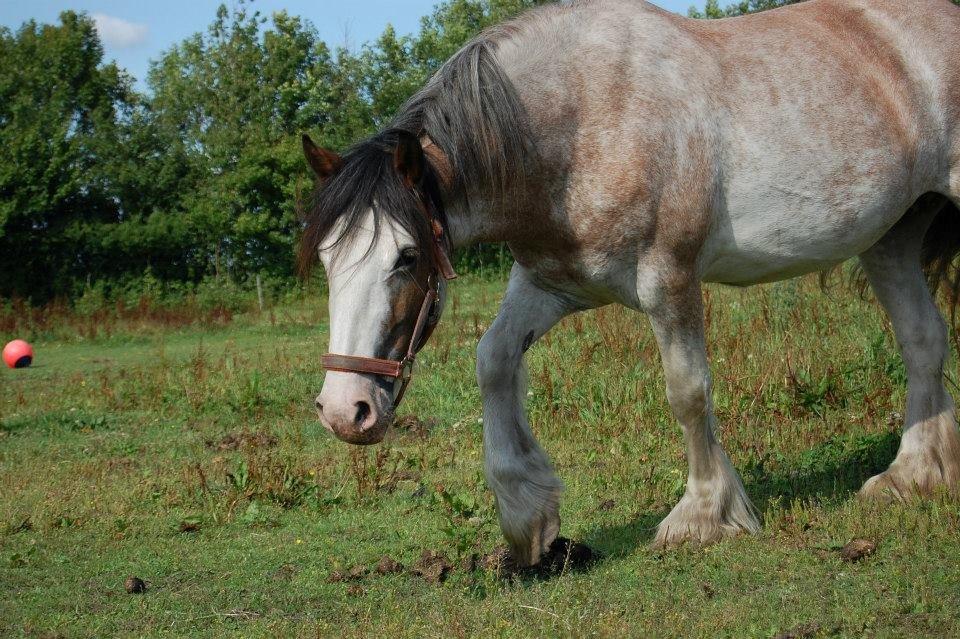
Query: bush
213	293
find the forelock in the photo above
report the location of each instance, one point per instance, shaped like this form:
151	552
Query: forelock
367	182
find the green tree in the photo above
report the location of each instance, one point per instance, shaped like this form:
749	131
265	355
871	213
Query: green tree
231	101
60	122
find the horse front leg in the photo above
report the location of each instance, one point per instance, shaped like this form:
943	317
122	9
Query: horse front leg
714	504
517	470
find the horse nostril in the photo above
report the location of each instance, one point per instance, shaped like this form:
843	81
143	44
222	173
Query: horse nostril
363	411
319	406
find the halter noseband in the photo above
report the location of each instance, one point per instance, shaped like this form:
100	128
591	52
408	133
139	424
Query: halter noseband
426	319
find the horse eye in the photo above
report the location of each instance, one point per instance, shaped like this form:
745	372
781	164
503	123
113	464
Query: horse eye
407	260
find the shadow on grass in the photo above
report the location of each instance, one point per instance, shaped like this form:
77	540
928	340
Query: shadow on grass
828	473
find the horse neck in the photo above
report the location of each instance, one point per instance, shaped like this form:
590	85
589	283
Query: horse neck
475	217
481	219
489	190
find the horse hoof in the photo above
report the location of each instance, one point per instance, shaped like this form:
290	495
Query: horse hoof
912	478
882	488
541	534
701	521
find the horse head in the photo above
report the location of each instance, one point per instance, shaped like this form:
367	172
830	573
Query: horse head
376	225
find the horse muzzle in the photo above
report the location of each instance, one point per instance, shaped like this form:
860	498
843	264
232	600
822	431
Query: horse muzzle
356	419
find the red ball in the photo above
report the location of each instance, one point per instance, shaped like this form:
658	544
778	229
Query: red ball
18	354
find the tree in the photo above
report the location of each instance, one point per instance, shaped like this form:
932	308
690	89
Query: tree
60	113
231	102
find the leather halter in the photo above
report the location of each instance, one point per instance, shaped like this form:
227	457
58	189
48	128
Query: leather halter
402	369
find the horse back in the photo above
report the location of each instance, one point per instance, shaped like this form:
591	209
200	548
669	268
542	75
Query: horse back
803	130
840	114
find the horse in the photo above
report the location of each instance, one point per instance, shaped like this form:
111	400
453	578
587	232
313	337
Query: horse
627	155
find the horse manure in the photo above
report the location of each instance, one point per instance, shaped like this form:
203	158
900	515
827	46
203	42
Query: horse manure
355	574
607	505
498	560
134	585
432	567
857	550
387	566
355	590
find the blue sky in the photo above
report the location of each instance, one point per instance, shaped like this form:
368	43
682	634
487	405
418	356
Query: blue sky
134	32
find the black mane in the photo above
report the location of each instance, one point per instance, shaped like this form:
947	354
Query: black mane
368	177
471	112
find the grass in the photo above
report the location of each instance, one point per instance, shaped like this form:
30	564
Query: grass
189	455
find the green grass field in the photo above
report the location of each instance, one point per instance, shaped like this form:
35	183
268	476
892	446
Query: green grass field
192	458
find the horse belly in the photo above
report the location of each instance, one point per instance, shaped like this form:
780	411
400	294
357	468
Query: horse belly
774	238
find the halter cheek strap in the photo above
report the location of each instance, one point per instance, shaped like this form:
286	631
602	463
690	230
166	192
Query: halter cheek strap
402	369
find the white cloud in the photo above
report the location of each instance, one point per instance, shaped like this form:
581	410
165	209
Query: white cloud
119	33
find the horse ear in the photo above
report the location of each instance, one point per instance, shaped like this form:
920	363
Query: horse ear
324	163
409	160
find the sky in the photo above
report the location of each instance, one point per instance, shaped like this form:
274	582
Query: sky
136	31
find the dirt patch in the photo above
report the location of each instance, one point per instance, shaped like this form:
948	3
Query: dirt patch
564	555
356	573
135	585
336	577
857	550
388	566
499	560
432	567
803	631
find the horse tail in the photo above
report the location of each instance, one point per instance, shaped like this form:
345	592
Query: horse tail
941	248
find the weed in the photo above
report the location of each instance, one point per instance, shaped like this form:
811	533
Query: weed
463	515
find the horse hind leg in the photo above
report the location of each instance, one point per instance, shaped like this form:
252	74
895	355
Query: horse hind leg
929	454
